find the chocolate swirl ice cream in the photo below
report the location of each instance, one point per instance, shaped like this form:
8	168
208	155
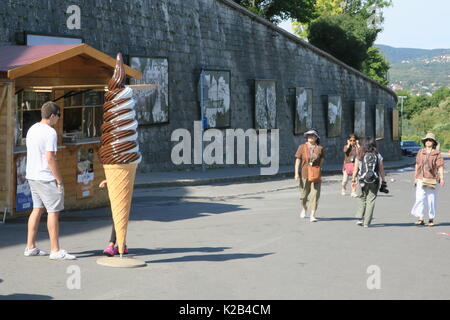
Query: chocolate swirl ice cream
119	136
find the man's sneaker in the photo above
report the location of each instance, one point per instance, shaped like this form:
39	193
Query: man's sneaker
61	255
359	222
303	214
34	252
366	226
343	192
313	219
353	194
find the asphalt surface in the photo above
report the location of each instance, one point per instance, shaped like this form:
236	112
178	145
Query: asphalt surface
242	241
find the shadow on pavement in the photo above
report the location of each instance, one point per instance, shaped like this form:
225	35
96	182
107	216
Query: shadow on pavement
78	222
207	257
410	224
168	212
212	257
24	296
145	251
338	219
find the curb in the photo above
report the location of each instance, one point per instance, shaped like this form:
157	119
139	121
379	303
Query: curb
208	181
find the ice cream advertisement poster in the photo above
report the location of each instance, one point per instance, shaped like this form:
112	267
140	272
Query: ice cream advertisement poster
23	192
85	173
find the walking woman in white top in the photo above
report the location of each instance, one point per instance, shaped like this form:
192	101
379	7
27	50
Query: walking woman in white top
428	175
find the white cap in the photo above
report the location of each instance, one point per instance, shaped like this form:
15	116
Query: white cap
311	132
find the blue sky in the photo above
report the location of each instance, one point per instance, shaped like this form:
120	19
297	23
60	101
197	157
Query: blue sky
423	24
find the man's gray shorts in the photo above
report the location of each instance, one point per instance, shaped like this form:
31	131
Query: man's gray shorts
46	194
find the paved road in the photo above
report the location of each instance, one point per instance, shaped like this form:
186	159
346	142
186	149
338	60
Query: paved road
242	241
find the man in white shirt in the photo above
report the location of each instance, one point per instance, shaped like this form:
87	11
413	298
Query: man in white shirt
45	182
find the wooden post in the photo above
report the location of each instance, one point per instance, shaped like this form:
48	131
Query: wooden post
10	127
3	187
7	145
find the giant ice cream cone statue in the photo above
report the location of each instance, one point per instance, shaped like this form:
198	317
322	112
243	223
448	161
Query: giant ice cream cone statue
119	151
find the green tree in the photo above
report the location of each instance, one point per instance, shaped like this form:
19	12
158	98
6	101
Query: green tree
371	10
439	95
321	7
346	37
278	10
358	31
406	101
434	119
366	8
414	105
403	93
376	66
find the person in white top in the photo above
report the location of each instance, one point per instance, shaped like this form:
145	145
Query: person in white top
45	182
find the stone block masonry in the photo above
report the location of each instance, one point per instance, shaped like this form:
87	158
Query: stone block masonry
213	34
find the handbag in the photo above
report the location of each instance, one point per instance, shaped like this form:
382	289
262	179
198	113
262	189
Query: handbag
429	183
314	174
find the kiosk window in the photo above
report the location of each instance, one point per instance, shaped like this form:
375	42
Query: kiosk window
83	114
28	111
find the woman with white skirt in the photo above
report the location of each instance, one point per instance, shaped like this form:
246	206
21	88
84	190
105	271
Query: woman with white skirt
429	174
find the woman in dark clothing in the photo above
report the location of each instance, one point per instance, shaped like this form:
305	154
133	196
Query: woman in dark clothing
111	249
370	170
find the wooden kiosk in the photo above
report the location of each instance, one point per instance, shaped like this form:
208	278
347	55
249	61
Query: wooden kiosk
75	77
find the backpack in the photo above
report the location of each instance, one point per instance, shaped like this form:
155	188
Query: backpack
369	168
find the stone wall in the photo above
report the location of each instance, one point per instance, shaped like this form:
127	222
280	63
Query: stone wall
213	34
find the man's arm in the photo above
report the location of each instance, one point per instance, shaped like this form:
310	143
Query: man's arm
53	165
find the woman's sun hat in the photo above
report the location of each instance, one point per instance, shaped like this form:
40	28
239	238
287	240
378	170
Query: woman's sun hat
430	136
312	132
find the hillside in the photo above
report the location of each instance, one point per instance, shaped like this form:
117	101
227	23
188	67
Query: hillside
419	71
